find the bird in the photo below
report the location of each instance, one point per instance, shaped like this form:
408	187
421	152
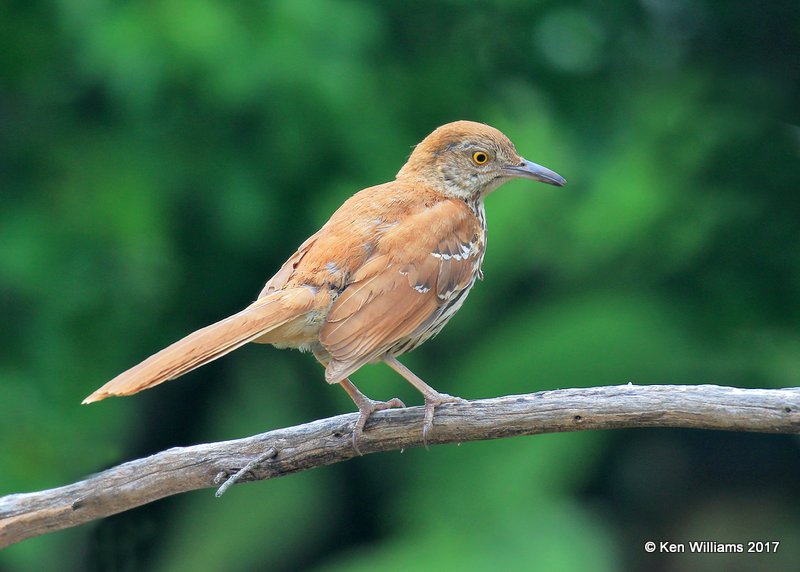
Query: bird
383	275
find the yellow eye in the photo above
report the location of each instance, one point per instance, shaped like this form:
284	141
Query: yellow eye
479	157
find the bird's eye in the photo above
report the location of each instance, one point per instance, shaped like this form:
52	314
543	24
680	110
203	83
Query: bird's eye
479	157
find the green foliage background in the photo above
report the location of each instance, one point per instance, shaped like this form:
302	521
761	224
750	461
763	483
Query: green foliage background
159	160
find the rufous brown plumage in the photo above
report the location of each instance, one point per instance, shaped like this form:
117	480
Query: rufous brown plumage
383	275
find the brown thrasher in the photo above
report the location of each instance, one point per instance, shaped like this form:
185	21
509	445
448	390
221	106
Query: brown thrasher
383	275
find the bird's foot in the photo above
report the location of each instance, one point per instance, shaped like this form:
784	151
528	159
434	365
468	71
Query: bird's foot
431	401
366	407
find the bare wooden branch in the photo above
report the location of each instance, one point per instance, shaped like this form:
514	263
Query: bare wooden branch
327	441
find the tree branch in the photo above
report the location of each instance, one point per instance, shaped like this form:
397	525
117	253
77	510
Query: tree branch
326	441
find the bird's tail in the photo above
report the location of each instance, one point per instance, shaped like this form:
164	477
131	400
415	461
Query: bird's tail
210	343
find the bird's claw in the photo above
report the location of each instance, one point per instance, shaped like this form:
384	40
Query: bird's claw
365	409
430	405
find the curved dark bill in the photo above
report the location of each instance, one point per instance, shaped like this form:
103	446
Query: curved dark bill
530	170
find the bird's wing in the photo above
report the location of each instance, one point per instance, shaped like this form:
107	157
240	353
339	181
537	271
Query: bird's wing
416	268
285	272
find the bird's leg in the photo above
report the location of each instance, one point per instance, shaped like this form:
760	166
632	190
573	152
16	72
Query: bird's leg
432	397
366	407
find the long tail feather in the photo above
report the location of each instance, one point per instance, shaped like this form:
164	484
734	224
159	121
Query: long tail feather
210	343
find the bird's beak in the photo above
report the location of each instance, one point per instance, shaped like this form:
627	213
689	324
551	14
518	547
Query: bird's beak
530	170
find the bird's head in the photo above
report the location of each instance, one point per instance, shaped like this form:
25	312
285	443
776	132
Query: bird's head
469	160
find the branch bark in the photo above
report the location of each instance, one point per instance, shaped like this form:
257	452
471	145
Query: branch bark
326	441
